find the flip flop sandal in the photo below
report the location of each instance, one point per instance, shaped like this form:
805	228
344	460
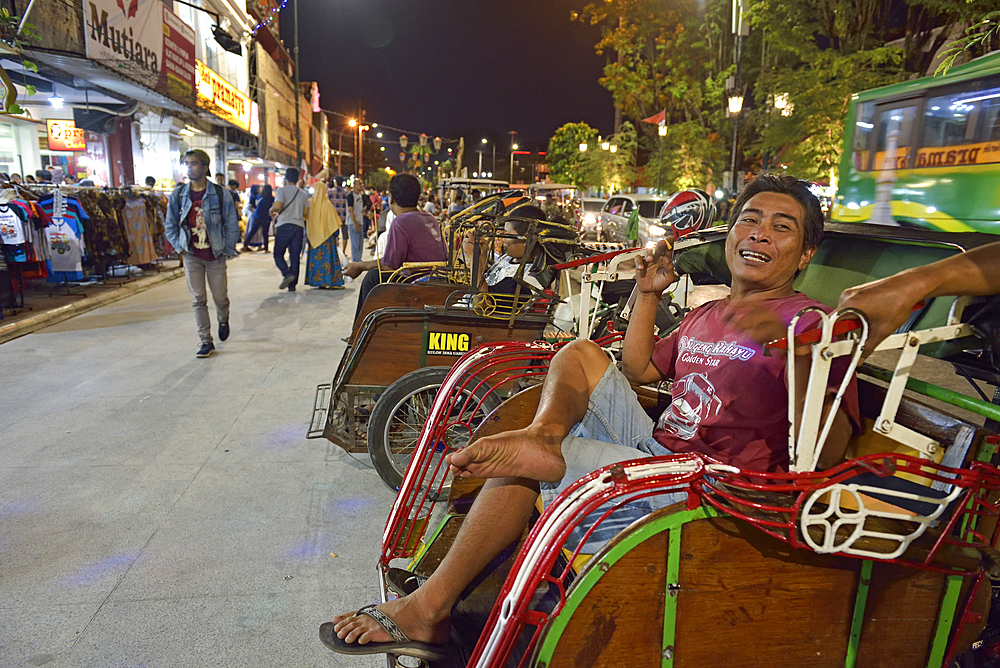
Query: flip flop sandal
400	645
403	582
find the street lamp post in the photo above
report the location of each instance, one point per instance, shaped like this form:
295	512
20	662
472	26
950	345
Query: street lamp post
513	147
735	107
662	131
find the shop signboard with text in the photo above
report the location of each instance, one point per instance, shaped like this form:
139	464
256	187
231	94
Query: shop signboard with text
143	40
65	136
278	104
220	97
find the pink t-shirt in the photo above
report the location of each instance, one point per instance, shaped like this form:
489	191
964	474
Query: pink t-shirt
730	400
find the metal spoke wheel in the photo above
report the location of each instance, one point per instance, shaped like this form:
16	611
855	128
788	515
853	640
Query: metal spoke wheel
401	412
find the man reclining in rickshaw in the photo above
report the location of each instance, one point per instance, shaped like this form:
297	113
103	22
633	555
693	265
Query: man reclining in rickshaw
729	402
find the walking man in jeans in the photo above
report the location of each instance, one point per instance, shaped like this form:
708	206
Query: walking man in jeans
201	224
291	206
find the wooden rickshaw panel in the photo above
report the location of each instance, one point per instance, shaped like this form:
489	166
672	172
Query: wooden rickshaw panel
395	344
620	622
902	611
745	594
404	295
390	351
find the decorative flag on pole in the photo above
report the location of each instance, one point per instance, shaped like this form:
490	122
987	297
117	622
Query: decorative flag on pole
658	119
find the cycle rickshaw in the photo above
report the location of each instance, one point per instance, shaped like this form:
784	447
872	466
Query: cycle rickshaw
883	560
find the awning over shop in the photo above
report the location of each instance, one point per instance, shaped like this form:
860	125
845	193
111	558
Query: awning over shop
84	74
106	87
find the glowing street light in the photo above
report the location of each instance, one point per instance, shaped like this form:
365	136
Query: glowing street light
352	123
605	145
735	103
583	147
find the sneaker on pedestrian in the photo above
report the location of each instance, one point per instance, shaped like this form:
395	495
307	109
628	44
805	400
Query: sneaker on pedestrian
223	331
206	350
286	281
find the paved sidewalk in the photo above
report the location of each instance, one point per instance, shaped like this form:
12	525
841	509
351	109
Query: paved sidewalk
159	510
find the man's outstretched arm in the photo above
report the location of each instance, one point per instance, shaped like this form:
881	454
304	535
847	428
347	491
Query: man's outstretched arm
887	303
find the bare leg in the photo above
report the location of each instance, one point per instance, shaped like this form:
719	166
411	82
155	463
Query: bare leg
535	452
496	519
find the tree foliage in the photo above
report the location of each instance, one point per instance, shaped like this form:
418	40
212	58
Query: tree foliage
565	158
613	171
676	57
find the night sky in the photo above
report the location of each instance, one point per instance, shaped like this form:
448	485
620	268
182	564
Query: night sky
454	68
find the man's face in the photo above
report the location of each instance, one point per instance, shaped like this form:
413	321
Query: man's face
220	179
358	185
765	246
196	169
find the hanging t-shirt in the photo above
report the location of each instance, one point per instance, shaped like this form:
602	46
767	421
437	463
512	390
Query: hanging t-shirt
730	400
12	221
200	245
65	246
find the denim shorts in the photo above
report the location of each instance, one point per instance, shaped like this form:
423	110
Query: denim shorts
614	429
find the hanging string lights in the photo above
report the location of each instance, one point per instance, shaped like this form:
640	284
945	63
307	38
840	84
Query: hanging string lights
272	14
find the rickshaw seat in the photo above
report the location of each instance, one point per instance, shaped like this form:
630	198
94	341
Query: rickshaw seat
960	441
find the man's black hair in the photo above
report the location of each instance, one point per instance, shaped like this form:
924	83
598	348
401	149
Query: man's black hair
526	211
233	183
405	190
44	175
292	175
150	181
795	188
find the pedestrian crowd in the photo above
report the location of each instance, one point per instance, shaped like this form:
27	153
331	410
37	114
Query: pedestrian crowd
207	220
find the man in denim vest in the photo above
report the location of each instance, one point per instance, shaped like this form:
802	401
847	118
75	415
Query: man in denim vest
202	225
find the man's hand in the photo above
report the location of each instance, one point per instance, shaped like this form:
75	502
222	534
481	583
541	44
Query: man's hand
353	269
756	319
885	304
654	271
357	228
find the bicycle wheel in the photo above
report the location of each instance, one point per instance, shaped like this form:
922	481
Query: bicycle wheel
400	414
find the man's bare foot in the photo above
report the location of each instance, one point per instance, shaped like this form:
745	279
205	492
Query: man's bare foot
414	622
532	452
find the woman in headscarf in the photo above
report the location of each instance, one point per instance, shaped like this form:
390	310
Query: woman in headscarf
323	268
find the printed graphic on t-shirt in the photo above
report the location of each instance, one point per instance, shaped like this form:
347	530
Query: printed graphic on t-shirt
11	229
694	401
711	353
199	233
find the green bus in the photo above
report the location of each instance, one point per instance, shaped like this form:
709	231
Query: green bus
947	157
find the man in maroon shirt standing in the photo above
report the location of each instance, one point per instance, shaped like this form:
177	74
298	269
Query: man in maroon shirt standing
201	224
414	236
730	402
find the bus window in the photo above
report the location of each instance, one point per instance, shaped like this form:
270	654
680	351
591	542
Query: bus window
863	127
900	121
958	127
